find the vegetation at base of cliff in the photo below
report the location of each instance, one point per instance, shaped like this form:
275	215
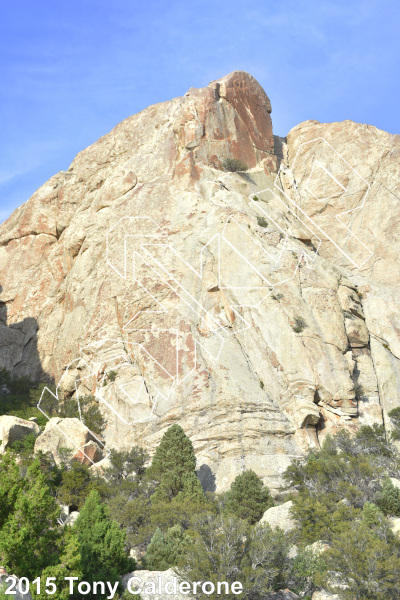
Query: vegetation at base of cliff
247	498
19	397
343	497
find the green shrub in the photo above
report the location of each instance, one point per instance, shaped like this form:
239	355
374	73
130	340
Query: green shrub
262	222
395	419
371	514
299	324
307	569
248	498
233	165
26	445
167	549
77	483
366	562
388	499
90	412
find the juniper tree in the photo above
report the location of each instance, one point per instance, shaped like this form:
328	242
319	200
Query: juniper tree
102	543
167	549
173	468
247	497
30	536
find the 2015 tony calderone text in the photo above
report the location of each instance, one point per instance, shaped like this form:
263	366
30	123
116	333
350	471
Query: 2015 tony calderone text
134	585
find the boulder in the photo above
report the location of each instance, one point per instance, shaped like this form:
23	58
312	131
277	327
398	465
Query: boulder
70	520
279	516
3	586
90	454
323	595
396	482
13	429
395	525
318	547
68	434
155	576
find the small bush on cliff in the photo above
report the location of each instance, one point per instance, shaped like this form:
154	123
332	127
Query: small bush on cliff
233	165
262	222
299	324
248	498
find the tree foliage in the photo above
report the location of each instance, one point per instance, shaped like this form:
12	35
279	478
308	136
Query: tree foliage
167	549
29	537
366	561
173	468
247	497
67	565
102	542
388	499
233	165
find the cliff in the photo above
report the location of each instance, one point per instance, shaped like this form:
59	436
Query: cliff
258	309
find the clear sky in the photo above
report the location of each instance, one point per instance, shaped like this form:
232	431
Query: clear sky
70	71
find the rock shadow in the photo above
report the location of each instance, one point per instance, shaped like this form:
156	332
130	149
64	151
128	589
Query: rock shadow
18	347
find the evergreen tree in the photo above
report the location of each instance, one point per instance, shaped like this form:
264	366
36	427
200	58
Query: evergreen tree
217	554
75	484
29	537
173	468
395	420
366	562
10	485
371	514
247	497
388	499
167	549
68	565
102	542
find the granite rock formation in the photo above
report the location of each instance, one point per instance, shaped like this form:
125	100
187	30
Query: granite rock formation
257	309
14	429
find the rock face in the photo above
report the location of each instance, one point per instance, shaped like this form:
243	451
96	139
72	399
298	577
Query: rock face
13	429
164	577
279	516
259	310
322	595
69	435
14	591
71	519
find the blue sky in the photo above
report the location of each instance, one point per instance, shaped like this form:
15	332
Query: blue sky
70	71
